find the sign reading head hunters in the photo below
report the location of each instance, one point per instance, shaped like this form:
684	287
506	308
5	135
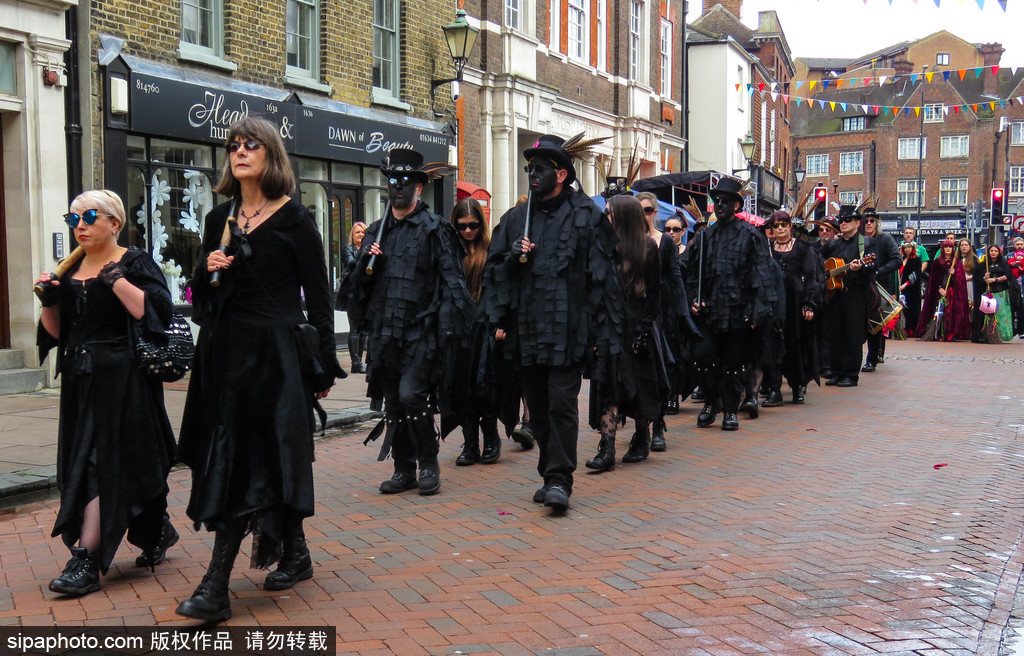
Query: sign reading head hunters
184	110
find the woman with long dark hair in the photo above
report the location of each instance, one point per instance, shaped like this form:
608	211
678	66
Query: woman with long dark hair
994	276
634	383
247	429
910	287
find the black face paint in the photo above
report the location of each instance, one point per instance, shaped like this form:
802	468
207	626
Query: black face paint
724	208
543	178
401	191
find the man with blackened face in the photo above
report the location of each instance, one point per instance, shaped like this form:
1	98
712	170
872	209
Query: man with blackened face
409	290
547	286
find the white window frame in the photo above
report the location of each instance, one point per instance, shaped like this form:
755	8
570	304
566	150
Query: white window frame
854	123
955	146
513	14
636	40
578	31
851	197
1017	133
907	194
1016	180
933	114
817	165
942	59
851	163
306	45
952	192
602	35
665	53
192	48
907	148
393	60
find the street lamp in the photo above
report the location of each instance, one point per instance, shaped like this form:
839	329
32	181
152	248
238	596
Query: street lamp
747	147
461	37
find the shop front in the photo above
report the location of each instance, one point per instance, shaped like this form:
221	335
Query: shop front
163	151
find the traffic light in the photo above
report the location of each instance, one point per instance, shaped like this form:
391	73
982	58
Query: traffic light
997	204
820	202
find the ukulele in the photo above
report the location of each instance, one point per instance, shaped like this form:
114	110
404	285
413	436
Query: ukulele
835	269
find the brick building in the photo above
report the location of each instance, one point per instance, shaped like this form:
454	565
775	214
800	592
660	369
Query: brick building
608	68
863	143
737	79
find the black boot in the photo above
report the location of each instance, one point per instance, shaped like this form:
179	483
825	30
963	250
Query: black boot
523	434
81	575
295	564
471	447
673	405
707	415
658	436
774	399
798	394
605	458
730	421
698	394
211	602
355	352
168	538
750	407
492	442
640	445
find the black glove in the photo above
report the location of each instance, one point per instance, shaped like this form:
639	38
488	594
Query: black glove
111	273
50	294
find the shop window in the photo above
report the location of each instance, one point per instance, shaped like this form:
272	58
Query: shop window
303	38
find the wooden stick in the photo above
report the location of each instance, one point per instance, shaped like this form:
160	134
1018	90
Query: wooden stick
62	267
225	236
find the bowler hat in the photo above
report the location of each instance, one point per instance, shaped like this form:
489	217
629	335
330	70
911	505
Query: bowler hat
404	161
550	147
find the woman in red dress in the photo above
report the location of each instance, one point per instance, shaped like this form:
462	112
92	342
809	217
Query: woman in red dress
947	282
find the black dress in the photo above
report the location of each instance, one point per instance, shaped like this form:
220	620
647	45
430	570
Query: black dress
804	275
114	437
636	383
910	274
247	428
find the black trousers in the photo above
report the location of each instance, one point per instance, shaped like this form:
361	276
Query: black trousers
846	329
552	395
406	400
722	360
876	347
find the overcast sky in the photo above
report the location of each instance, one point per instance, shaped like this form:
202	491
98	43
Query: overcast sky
850	28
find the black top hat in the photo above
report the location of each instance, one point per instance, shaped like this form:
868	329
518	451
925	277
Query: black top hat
849	212
728	187
616	186
550	147
870	212
404	161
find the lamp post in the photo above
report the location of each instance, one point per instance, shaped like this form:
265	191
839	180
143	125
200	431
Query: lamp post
461	37
798	174
747	147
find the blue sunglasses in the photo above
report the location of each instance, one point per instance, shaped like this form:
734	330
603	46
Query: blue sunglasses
89	216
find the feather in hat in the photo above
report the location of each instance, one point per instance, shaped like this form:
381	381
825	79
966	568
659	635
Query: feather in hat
577	147
437	170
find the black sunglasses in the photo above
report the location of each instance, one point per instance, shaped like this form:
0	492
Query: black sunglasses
250	145
847	219
89	216
473	225
782	224
673	229
650	210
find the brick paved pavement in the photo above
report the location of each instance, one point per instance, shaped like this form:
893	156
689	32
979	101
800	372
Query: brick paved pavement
823	529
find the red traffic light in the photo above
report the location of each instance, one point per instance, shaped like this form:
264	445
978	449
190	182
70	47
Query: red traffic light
821	194
997	194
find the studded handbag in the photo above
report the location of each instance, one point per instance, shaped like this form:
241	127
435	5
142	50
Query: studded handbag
168	362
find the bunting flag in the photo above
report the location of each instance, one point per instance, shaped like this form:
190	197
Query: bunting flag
938	3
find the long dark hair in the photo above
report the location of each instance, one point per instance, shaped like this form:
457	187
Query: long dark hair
476	250
627	215
278	178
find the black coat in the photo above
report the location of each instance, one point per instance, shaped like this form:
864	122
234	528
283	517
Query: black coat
111	414
247	428
565	301
804	276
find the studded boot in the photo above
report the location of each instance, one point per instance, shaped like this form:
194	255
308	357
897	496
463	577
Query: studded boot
211	602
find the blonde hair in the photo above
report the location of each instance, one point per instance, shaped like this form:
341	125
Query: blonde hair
102	200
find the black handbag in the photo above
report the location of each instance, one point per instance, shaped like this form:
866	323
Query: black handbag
168	362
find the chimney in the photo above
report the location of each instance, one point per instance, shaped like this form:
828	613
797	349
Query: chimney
733	6
991	54
902	67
